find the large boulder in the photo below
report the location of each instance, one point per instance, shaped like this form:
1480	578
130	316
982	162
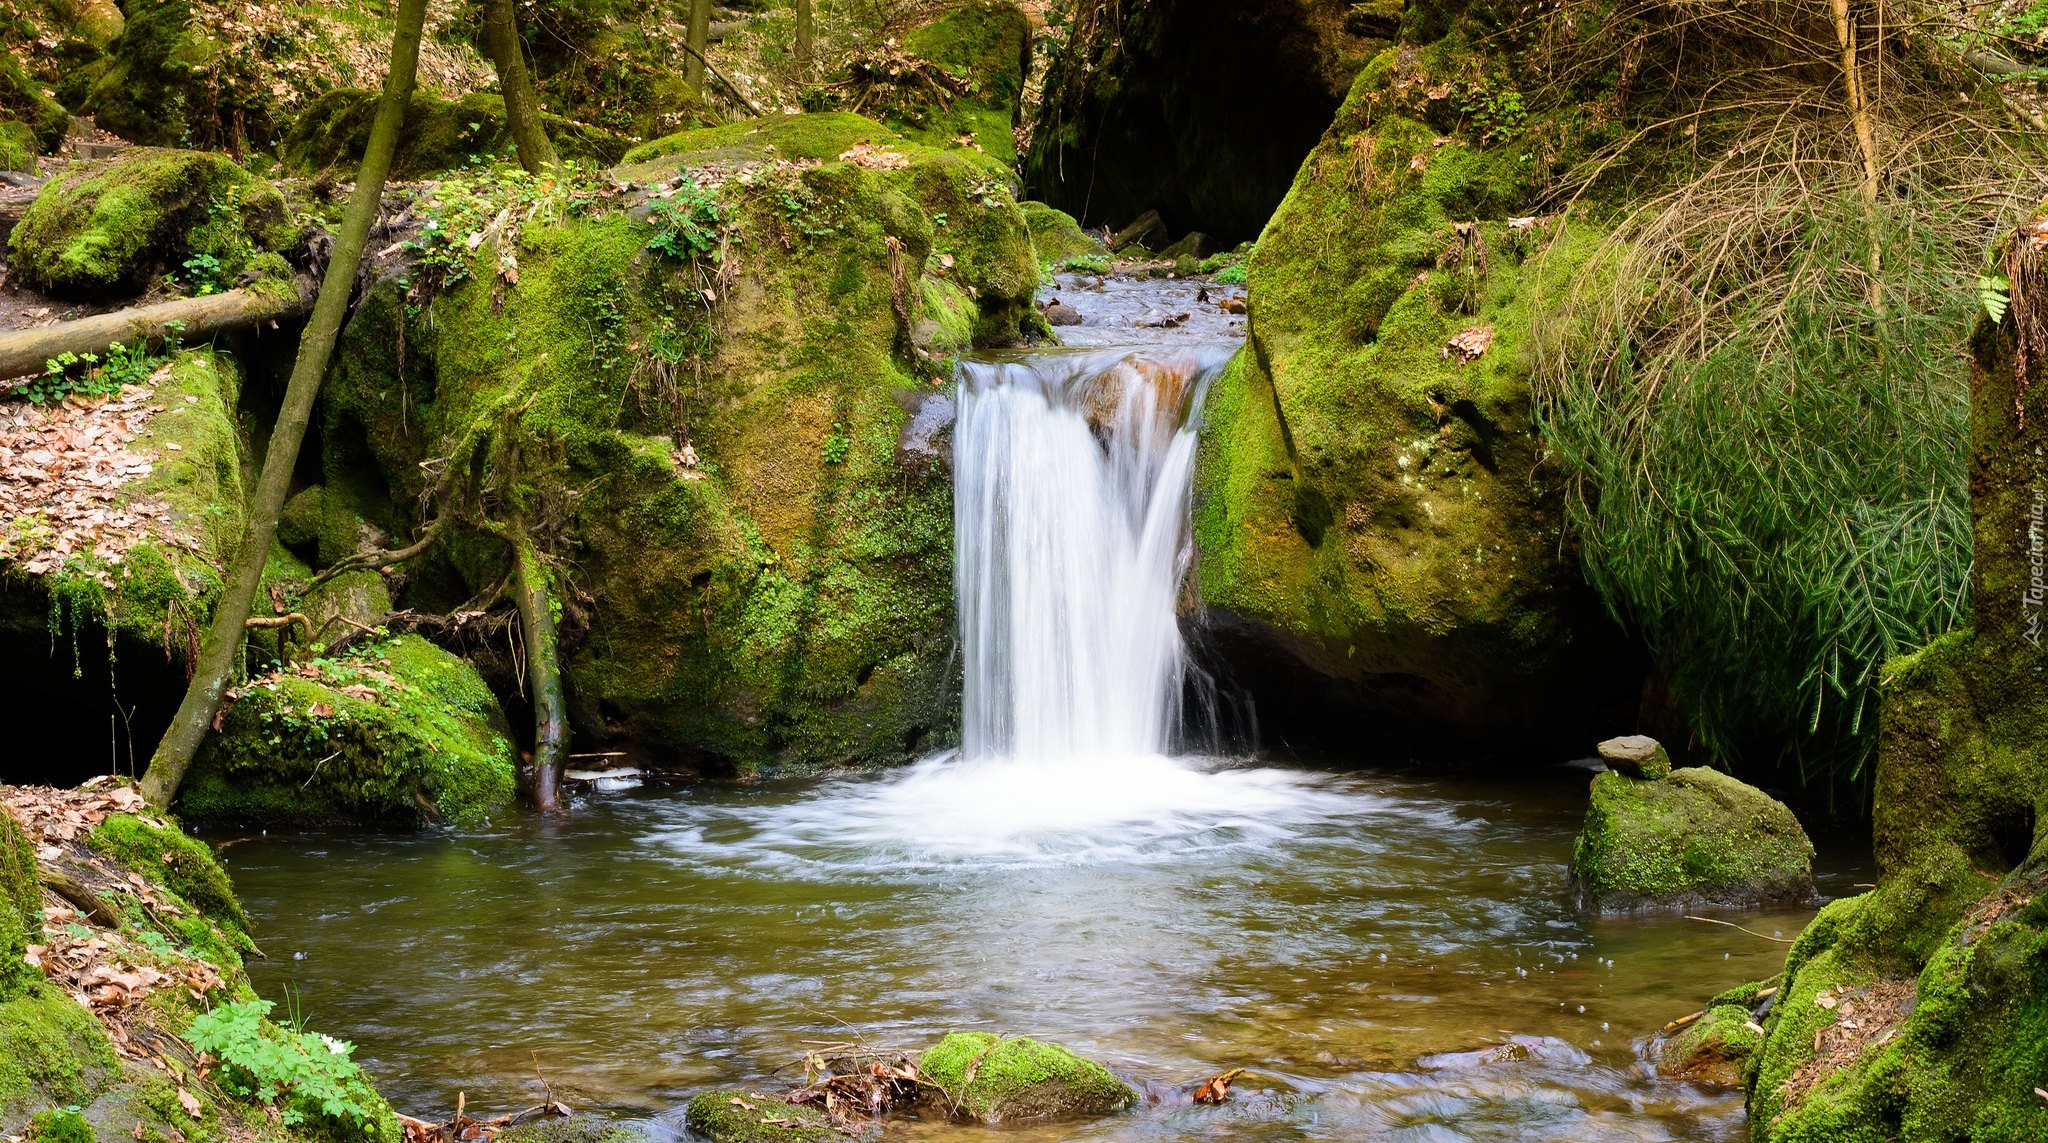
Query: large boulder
1919	1010
1696	838
1201	109
1012	1079
1379	535
23	100
1056	236
440	134
735	1116
398	733
1716	1048
757	582
111	228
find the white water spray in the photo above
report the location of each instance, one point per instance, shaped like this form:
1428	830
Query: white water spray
1071	477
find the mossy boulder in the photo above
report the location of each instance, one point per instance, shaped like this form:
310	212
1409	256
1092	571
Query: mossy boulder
1919	1010
23	100
21	908
18	147
777	595
400	733
110	228
617	66
1056	236
1699	837
1716	1048
440	134
1374	515
172	911
986	46
1011	1079
735	1116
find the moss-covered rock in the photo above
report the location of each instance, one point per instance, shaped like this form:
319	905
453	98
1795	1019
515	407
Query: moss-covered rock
1008	1079
735	1116
986	46
21	908
615	64
1699	837
18	147
1372	500
778	595
171	911
1716	1048
1056	236
400	733
440	135
1919	1010
22	99
111	228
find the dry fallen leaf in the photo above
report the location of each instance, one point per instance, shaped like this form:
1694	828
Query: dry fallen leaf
1216	1089
190	1103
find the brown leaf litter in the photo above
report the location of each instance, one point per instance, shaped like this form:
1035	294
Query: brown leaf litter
63	468
1866	1018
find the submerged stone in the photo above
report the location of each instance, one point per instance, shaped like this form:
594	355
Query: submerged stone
1697	838
1716	1048
735	1116
111	228
401	733
1005	1080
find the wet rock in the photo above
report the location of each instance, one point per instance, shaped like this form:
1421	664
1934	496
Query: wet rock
1058	312
1716	1048
109	229
571	1129
1164	387
1697	838
1194	244
1638	756
1006	1080
735	1116
1148	230
1056	235
922	442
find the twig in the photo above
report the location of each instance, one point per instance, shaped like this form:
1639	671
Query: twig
1733	925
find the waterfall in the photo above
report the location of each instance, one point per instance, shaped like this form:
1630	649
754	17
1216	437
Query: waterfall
1071	483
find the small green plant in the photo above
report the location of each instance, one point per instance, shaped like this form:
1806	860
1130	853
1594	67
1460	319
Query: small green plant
205	275
686	224
1994	292
60	1125
1087	264
990	192
1231	275
287	1069
1497	116
836	444
92	374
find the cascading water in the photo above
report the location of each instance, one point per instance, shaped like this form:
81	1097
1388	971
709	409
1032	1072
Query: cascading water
1070	524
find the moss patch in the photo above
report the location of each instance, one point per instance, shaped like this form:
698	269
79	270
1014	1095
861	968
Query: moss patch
111	228
21	908
1698	837
1716	1048
1000	1080
22	99
440	135
401	733
1056	236
735	1116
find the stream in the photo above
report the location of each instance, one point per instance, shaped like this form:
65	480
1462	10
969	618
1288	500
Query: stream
1391	955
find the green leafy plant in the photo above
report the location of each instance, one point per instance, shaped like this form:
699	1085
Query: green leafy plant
205	275
60	1125
93	374
1994	293
1231	275
287	1069
687	224
837	443
1087	264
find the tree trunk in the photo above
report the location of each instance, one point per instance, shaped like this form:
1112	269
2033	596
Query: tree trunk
700	38
522	110
24	352
535	600
218	656
803	31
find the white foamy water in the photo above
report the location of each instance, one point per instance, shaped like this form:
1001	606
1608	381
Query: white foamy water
1072	475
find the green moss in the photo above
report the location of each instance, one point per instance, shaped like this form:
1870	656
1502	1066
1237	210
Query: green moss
182	864
1056	236
1699	837
22	100
773	608
1716	1048
60	1125
17	147
1019	1078
1376	503
440	135
21	907
986	45
735	1116
111	228
572	1129
51	1051
398	734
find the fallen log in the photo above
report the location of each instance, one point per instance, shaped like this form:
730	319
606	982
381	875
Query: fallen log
25	352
